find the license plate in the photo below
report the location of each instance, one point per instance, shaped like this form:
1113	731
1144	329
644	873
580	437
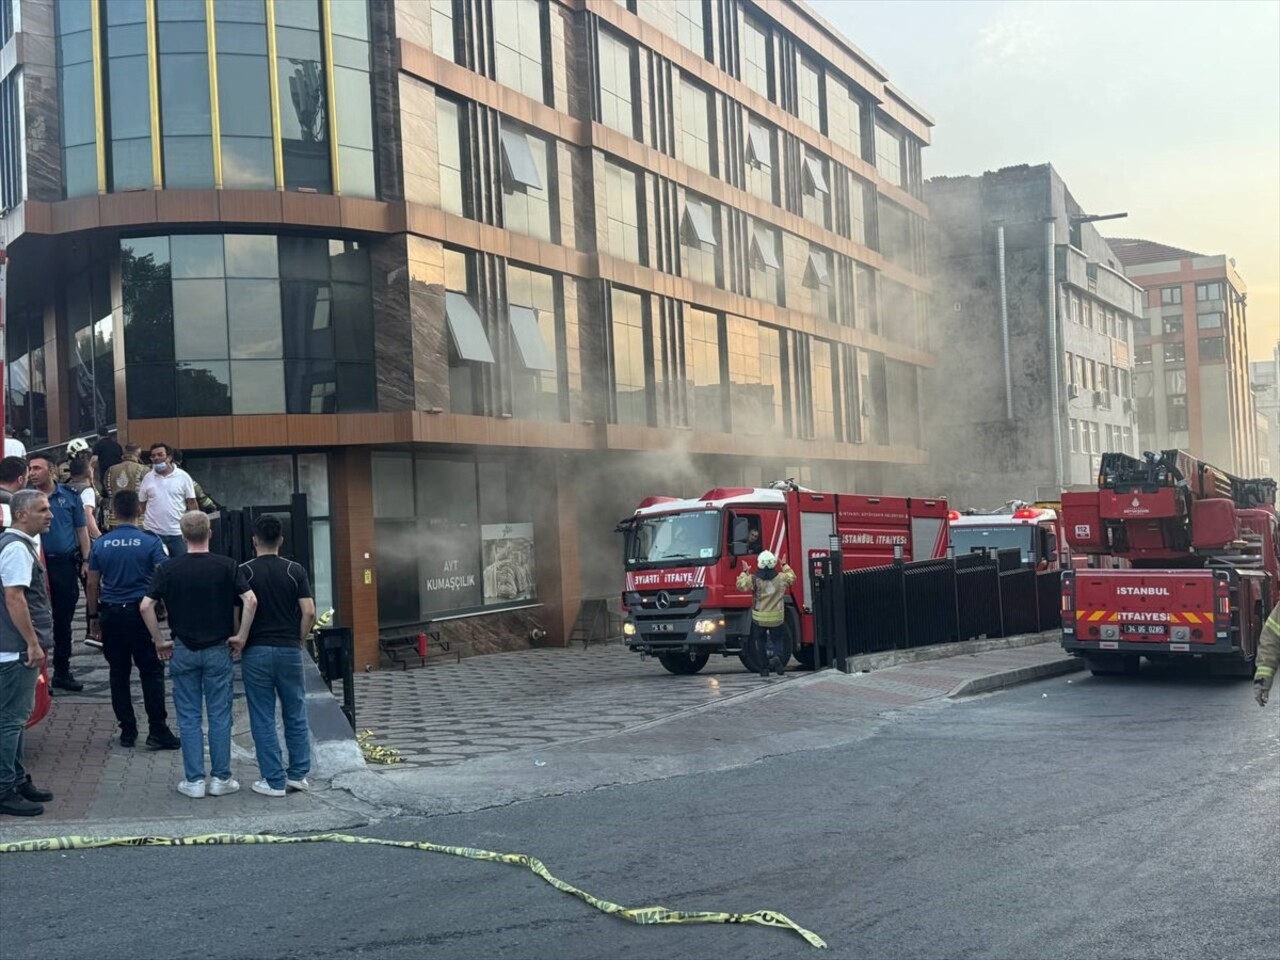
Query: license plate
661	628
1146	629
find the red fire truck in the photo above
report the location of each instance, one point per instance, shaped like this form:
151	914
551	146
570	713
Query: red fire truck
683	557
1204	554
1033	529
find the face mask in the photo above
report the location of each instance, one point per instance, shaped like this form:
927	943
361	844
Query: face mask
160	467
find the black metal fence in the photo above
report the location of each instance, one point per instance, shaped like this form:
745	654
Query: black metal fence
928	602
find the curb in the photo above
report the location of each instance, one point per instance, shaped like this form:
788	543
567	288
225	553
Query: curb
1016	676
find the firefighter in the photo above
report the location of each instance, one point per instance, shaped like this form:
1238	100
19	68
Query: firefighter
1268	657
769	587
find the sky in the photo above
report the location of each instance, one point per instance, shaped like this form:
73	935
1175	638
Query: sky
1167	110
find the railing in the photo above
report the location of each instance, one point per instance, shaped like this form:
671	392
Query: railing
927	602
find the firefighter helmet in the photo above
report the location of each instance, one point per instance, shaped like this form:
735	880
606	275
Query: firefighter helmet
767	560
77	446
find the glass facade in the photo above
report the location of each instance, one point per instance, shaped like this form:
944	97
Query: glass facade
702	365
517	47
26	402
303	96
244	96
528	181
629	361
244	324
753	53
353	93
76	96
186	113
695	133
618	101
536	377
88	333
128	96
622	213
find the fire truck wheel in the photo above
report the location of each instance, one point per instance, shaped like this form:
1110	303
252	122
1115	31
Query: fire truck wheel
681	664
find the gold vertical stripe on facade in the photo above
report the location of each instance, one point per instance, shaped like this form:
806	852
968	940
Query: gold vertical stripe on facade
273	79
331	91
99	121
211	31
153	85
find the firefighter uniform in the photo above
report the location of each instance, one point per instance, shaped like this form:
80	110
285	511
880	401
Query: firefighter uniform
1268	657
125	475
768	588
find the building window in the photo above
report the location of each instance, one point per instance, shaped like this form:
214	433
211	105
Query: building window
1175	381
75	91
127	98
1075	439
1208	321
450	136
630	383
244	97
456	535
468	341
517	47
761	181
527	181
1208	291
816	192
682	19
1174	352
702	366
1212	348
618	102
747	395
622	213
353	90
1170	295
754	56
302	96
867	315
185	115
861	196
442	42
254	324
774	409
26	404
765	263
90	355
1176	412
533	310
699	241
896	240
1095	444
889	155
824	366
695	134
844	115
809	92
1142	354
1172	323
1141	327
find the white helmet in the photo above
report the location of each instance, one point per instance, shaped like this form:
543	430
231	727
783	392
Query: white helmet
767	560
77	446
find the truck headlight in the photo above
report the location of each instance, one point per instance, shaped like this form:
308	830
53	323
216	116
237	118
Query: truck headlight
628	629
704	626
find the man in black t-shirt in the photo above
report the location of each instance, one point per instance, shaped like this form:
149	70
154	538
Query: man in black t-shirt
106	453
200	590
272	662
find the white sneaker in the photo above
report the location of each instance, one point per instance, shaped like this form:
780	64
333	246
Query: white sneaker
192	788
266	789
302	784
220	788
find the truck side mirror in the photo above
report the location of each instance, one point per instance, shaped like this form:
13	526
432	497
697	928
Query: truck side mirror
738	548
741	530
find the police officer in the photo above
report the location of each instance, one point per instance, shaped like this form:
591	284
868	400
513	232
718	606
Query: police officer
120	568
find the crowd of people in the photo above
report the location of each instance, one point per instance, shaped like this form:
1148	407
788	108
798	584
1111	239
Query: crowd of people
137	538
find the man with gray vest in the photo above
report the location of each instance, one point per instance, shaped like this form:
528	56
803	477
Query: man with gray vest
26	634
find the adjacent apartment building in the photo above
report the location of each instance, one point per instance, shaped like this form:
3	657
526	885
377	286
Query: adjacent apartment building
454	283
1191	355
1264	380
1032	325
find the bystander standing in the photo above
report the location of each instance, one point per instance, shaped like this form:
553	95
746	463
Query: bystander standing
106	453
26	633
122	565
81	481
66	550
200	590
272	662
166	494
13	477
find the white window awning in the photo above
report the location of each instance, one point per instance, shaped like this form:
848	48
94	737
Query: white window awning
815	181
815	271
466	329
529	339
763	249
759	148
696	226
518	165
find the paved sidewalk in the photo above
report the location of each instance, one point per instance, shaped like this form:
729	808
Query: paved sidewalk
75	752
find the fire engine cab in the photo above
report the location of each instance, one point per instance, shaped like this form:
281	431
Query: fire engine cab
683	556
1032	529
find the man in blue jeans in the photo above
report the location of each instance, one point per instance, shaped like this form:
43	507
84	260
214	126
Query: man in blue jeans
200	590
272	661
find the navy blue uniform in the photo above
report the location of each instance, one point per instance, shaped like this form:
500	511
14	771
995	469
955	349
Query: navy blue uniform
125	560
62	555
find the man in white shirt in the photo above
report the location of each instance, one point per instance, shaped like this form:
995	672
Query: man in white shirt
166	493
13	447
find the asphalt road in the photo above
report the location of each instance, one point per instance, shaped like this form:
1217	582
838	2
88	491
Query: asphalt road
1124	817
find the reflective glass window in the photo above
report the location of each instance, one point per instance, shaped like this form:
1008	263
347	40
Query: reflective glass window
533	299
889	155
629	363
617	95
517	47
527	184
302	95
353	91
186	123
622	213
694	135
75	93
449	141
809	90
244	95
753	54
844	115
702	368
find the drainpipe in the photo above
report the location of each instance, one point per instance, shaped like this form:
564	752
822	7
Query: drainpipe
1004	322
1055	359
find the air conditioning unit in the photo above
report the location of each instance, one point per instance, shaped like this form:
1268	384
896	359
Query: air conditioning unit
1072	391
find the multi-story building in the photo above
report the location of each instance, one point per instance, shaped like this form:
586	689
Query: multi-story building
1191	355
1264	379
1032	325
455	282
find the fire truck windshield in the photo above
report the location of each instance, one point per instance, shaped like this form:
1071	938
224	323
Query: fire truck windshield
674	537
966	539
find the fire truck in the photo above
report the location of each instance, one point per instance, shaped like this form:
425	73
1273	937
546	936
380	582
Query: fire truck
683	557
1204	564
1031	528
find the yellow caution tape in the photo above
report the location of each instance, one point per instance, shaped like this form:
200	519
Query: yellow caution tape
639	915
373	753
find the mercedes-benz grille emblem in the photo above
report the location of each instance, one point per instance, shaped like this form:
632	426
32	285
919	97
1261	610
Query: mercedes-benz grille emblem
664	600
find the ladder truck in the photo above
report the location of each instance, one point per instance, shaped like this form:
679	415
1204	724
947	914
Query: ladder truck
1203	554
